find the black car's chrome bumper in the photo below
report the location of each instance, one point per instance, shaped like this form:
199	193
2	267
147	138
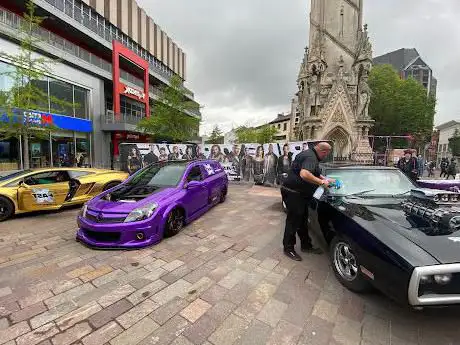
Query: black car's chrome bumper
446	294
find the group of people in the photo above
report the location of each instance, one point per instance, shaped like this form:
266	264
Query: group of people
263	168
414	167
136	161
448	169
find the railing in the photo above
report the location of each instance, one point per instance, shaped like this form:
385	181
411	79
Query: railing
14	21
89	18
111	117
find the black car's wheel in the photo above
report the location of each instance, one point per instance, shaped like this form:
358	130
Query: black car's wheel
223	195
6	208
174	223
110	185
345	264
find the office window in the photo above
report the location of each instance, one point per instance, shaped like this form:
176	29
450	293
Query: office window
61	97
81	102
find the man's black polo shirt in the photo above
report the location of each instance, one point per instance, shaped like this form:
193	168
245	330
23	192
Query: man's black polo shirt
307	160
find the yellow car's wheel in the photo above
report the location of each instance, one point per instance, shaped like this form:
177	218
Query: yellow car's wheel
6	208
110	185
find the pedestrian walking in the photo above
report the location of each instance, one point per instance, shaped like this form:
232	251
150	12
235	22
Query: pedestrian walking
408	165
431	167
452	169
444	166
304	177
420	166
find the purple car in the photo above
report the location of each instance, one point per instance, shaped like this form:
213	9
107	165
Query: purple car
156	201
449	185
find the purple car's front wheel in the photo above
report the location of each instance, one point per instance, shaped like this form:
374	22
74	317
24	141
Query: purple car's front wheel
175	222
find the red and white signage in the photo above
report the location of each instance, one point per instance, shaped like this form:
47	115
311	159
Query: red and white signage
134	92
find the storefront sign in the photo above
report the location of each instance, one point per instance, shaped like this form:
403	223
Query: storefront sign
43	120
134	92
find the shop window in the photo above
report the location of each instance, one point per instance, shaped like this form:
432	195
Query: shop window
82	157
63	151
39	153
61	94
81	102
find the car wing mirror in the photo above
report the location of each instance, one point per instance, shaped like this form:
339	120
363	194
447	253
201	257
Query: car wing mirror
193	184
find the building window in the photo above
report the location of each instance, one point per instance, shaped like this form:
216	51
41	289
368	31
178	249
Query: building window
285	127
61	97
81	102
279	125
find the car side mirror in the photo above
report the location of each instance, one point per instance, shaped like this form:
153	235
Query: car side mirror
193	184
21	184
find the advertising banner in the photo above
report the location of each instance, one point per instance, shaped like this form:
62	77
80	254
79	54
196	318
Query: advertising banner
264	164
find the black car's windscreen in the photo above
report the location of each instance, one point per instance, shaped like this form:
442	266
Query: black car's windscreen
373	181
158	175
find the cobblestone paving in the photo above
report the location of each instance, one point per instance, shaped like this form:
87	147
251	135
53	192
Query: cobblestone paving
222	281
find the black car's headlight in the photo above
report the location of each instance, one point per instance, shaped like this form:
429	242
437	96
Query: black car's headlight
441	279
141	213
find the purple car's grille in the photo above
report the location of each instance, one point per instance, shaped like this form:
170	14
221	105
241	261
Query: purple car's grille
102	236
99	217
103	220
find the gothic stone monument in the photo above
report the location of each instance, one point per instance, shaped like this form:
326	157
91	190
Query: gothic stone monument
334	95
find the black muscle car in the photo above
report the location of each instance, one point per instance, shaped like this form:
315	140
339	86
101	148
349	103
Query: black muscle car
385	232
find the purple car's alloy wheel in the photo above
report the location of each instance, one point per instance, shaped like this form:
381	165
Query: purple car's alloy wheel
175	223
345	261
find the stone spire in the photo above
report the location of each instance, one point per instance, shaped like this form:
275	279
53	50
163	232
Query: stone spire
333	92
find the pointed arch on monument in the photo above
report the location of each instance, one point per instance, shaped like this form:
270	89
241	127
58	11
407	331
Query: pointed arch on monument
341	139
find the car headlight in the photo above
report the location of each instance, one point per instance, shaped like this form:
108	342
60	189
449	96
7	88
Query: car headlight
83	211
441	279
141	213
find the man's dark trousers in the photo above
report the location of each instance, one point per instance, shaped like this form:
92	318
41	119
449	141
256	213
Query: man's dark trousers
296	220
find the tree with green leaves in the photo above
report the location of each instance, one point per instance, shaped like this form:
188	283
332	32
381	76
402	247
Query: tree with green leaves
26	72
266	134
169	120
245	134
216	136
454	143
261	135
400	107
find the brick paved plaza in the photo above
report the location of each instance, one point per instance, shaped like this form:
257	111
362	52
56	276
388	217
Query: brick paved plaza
222	281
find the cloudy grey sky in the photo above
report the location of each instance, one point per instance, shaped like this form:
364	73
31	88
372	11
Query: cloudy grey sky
243	56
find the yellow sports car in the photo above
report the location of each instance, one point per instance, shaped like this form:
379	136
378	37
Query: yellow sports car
54	188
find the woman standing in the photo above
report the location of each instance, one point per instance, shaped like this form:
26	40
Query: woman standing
258	166
188	154
134	161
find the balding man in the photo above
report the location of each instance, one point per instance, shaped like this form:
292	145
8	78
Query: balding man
303	179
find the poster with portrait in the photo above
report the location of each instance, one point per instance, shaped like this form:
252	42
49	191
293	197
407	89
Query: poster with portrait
266	164
135	156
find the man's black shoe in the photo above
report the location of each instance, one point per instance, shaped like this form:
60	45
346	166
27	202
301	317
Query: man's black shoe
312	250
291	254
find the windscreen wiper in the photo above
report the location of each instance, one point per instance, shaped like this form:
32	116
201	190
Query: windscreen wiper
360	193
400	194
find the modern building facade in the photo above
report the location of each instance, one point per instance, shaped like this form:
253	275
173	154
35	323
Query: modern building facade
409	63
113	60
446	131
283	125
